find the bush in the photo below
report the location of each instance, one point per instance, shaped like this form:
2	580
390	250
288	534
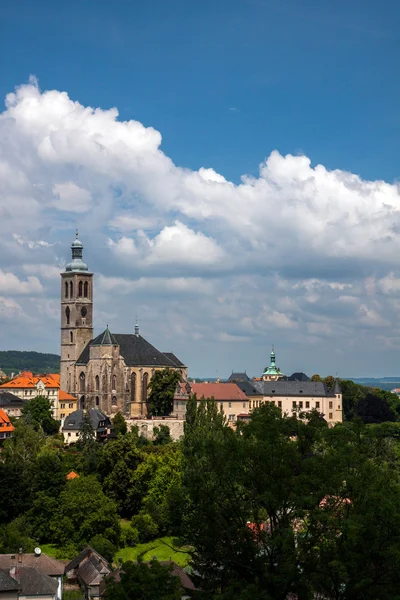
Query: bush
147	528
129	536
103	546
68	551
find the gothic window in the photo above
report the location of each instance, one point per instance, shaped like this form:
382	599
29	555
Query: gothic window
71	337
71	289
97	401
67	314
86	289
114	382
144	387
114	401
83	402
82	382
97	383
66	289
133	387
83	311
80	289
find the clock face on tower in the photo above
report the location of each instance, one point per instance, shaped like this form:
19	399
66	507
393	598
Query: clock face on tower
84	311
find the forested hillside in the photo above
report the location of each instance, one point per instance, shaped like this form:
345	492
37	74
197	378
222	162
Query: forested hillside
38	362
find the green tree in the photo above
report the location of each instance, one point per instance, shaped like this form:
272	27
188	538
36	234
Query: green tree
162	435
18	470
162	390
120	458
39	413
119	424
87	435
316	377
103	547
14	536
141	581
83	512
329	381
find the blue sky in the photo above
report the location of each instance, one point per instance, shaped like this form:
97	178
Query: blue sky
226	83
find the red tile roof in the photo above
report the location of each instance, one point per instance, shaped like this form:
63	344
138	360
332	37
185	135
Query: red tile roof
26	379
72	475
65	396
5	423
219	391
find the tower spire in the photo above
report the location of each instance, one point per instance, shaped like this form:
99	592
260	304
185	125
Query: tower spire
136	328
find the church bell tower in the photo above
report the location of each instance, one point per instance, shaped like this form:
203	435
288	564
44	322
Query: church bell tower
76	315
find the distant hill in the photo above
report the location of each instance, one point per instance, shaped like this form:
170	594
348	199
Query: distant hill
14	361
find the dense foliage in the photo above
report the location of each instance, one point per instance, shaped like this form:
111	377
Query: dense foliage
162	390
274	508
37	362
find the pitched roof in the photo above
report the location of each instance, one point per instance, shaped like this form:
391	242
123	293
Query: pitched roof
104	339
72	475
34	583
7	583
90	564
74	421
45	564
171	356
11	400
298	377
135	350
249	388
5	423
178	571
337	389
293	388
65	396
234	377
219	391
27	379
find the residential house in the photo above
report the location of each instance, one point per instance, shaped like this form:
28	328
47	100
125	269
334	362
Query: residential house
9	587
26	385
11	404
46	566
6	427
101	424
89	569
229	397
67	405
34	584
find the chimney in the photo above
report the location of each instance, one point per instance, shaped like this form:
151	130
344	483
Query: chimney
20	555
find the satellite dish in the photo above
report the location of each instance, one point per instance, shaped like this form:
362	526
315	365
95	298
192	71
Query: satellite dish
38	551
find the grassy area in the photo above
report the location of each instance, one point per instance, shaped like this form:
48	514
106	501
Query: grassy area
163	549
49	549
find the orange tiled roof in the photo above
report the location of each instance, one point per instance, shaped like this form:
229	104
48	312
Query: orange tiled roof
72	475
26	379
65	396
220	391
5	423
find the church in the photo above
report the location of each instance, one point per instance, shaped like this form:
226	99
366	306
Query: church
112	371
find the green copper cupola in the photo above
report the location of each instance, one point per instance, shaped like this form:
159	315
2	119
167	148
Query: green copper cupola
77	264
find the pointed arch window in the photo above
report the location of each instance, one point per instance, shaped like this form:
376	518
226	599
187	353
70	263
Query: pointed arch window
80	289
133	387
71	289
82	402
82	382
97	401
66	289
145	383
86	289
67	315
114	401
97	383
71	337
114	382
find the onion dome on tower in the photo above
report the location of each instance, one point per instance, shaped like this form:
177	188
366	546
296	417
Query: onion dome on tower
77	264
